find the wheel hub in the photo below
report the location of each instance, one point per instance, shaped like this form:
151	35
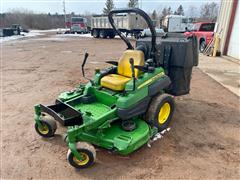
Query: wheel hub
84	160
43	129
164	113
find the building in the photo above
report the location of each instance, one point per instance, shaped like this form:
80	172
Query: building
228	28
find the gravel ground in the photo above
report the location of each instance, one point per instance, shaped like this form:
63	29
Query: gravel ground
203	142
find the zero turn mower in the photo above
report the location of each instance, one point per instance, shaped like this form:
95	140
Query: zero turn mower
126	105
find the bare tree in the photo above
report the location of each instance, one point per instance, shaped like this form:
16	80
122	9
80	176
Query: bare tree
192	11
159	10
169	10
179	11
154	15
28	20
164	12
133	3
109	5
209	11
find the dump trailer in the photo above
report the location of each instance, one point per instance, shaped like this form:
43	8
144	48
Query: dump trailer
129	23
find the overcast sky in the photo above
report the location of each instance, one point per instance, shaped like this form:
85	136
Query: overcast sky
93	6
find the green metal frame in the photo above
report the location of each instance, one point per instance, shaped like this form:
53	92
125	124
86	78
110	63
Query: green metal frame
100	126
100	123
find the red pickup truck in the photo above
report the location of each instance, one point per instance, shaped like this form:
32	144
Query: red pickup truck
204	32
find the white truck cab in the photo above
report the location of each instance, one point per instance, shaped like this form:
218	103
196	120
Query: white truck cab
176	23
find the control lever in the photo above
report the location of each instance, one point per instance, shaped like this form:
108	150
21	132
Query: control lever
83	64
131	61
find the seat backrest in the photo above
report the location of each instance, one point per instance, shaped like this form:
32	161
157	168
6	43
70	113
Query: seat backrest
124	66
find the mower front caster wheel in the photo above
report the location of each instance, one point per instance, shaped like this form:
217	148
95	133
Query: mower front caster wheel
87	152
47	129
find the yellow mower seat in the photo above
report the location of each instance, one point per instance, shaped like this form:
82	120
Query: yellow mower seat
118	81
114	82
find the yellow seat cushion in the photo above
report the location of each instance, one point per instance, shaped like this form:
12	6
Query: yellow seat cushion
124	67
114	81
118	81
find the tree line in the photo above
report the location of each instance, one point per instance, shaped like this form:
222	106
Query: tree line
207	10
27	19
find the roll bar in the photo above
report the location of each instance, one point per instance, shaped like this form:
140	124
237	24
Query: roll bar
145	17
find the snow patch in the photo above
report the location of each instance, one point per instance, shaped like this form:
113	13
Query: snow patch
74	35
50	39
22	35
49	30
31	34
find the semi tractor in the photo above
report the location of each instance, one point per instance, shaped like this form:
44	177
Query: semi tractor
128	23
77	25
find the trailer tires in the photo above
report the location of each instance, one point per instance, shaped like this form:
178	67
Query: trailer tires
111	35
88	153
102	34
136	35
48	128
95	33
160	111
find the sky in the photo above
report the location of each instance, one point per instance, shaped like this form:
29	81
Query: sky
93	6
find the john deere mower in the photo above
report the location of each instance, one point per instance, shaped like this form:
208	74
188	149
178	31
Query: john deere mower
127	104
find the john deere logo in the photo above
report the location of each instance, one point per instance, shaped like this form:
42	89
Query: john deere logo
151	80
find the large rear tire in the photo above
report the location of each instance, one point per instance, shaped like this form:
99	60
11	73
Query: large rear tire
160	111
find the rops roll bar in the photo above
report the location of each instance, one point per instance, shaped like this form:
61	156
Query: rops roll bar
146	18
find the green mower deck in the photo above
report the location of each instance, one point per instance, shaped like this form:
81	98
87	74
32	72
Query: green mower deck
115	138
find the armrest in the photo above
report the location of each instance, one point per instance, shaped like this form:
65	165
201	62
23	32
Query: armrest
145	69
110	70
141	68
115	63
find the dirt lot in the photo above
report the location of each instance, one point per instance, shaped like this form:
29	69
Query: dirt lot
203	141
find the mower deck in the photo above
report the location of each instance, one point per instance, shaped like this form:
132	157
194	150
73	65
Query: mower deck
117	139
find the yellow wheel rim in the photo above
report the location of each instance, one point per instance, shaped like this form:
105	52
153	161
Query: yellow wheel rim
164	113
44	129
84	160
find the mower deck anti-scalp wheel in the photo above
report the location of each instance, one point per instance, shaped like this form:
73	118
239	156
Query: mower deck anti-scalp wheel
88	153
47	129
160	111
